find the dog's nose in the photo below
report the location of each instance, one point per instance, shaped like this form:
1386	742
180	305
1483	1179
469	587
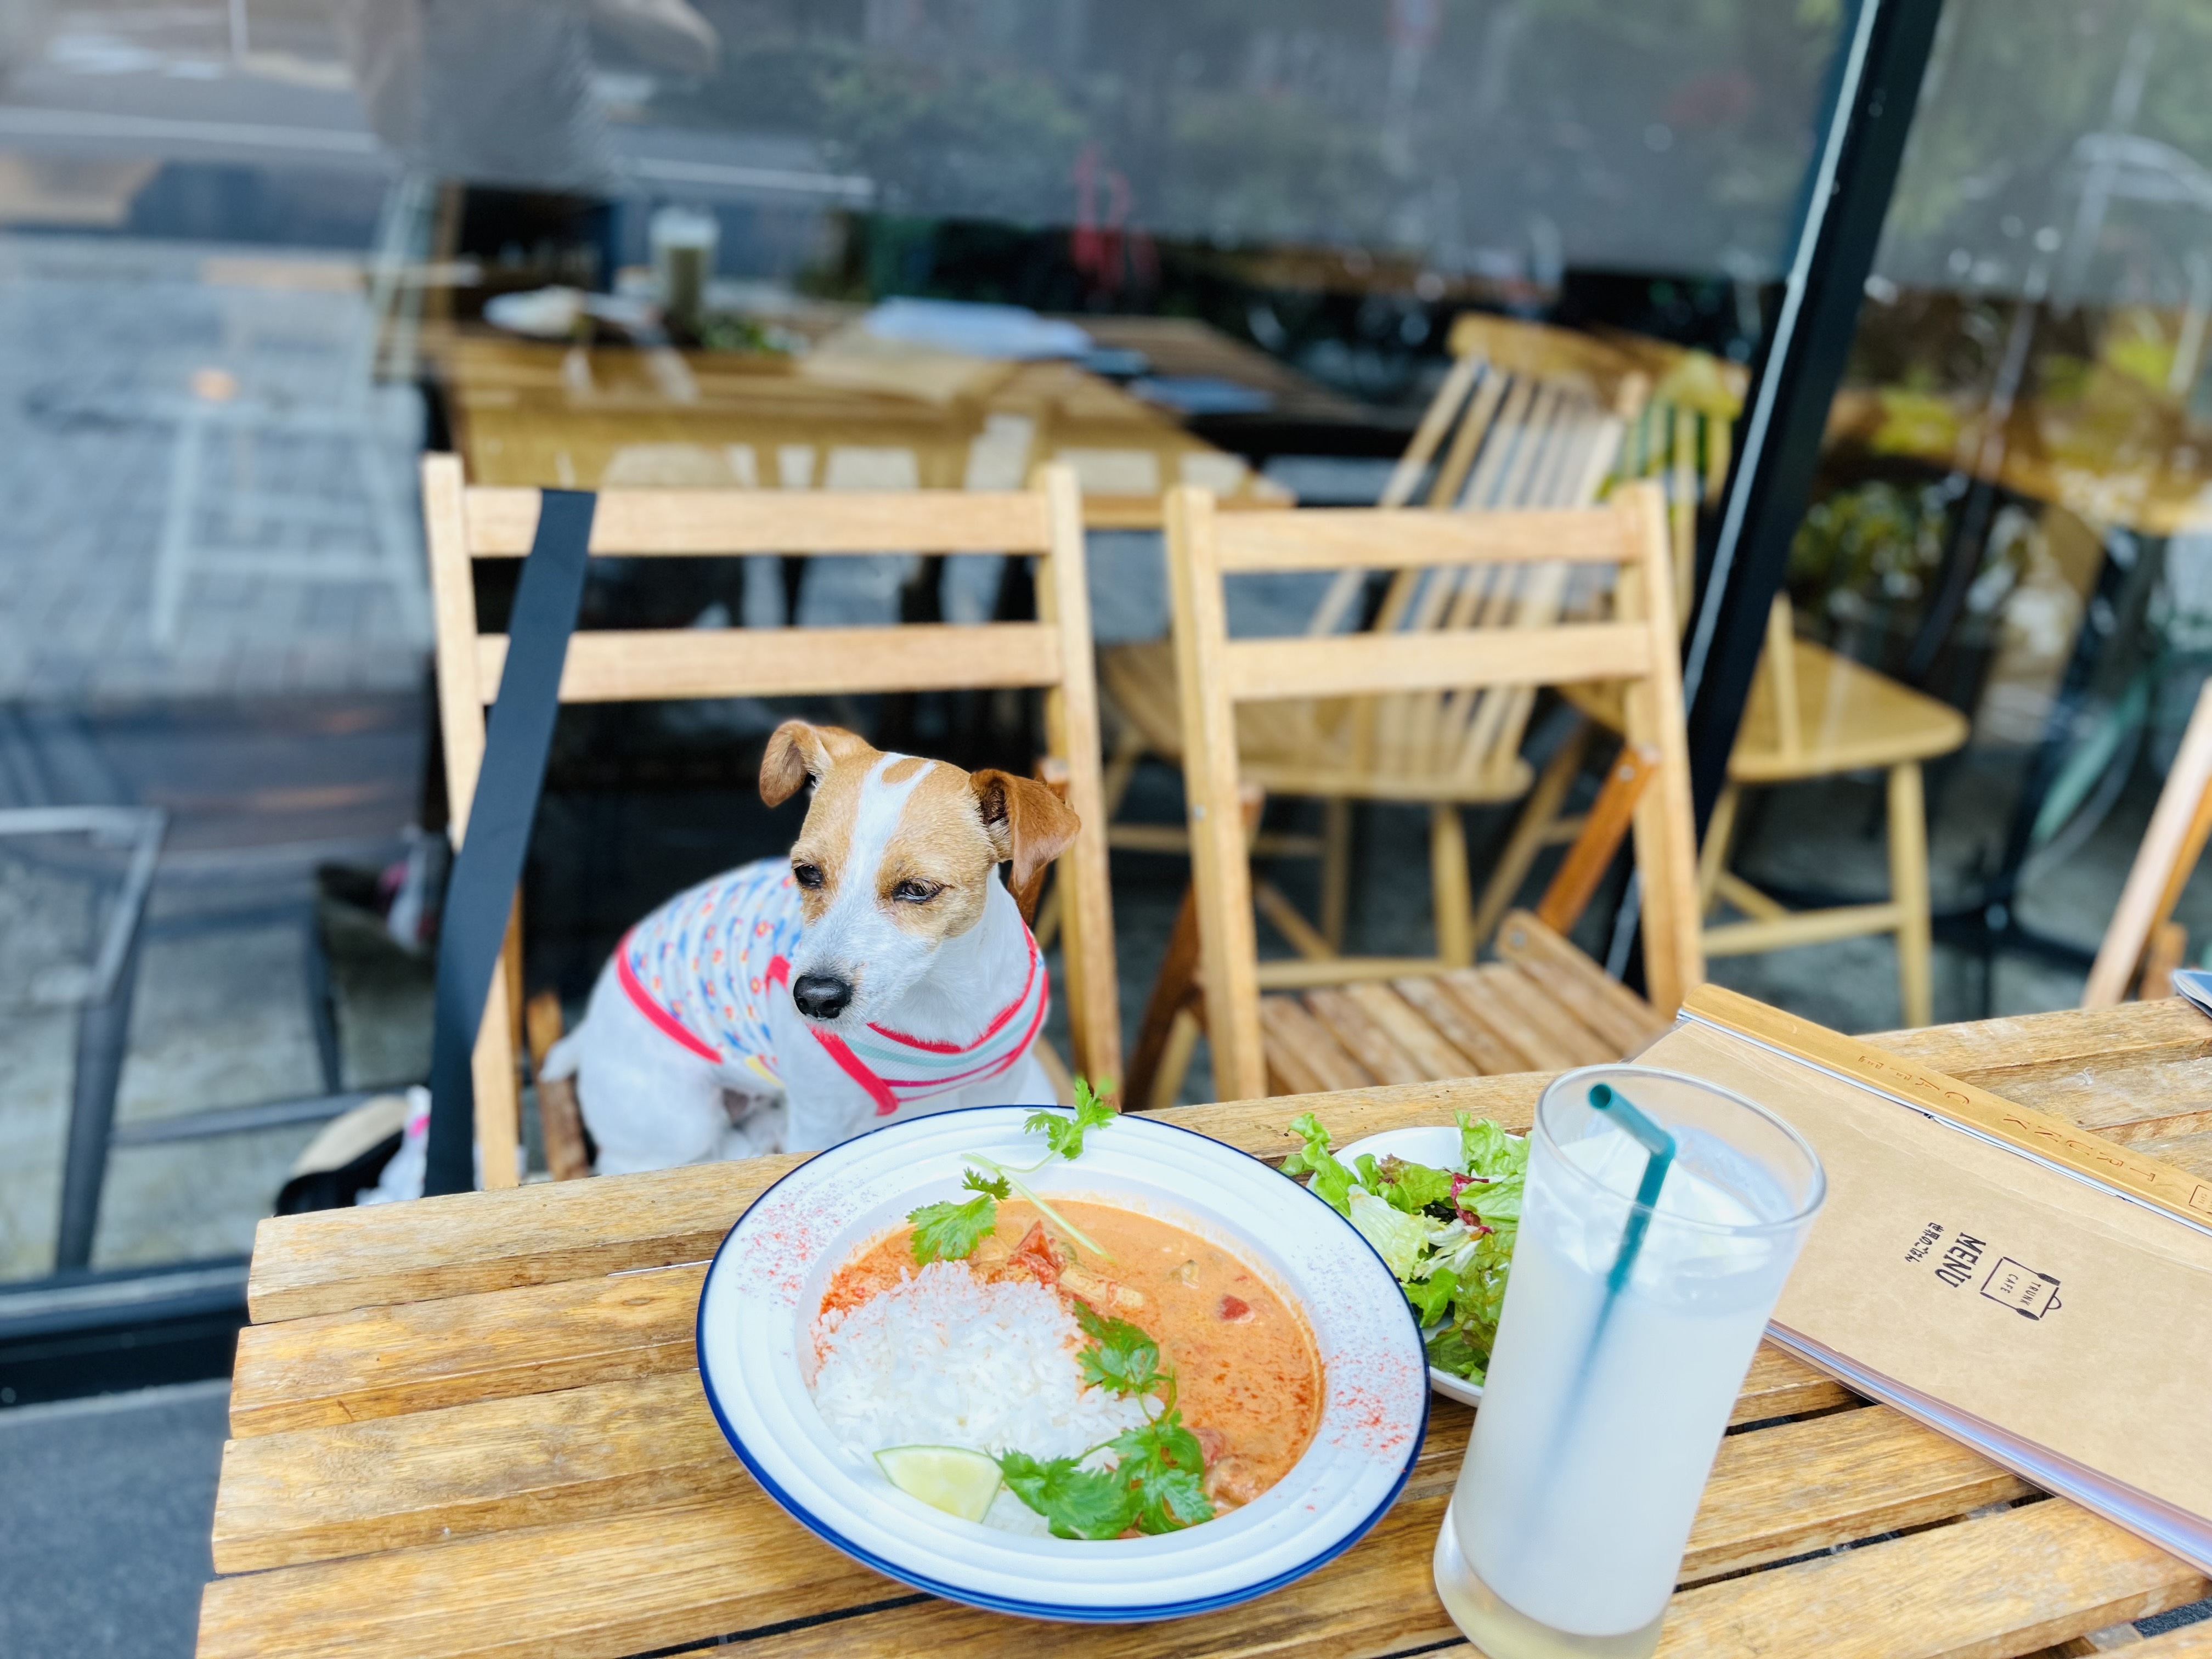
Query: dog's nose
821	996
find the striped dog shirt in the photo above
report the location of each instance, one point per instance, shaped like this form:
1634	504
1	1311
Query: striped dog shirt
703	967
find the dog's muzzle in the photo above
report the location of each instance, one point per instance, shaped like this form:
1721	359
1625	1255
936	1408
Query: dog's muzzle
821	996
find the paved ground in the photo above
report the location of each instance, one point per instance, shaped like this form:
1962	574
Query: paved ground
102	346
105	1508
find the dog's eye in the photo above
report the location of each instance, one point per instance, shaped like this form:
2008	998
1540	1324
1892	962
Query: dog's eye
915	892
807	875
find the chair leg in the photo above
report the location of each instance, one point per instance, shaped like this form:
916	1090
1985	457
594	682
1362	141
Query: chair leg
1908	891
1712	857
1447	881
1532	832
1120	770
1169	1003
1335	869
1174	1060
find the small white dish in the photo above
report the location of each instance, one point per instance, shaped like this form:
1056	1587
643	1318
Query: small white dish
1438	1148
766	1285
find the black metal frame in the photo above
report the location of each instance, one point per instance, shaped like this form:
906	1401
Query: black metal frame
1871	102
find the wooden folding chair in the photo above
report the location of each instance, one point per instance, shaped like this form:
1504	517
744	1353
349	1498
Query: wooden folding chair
1054	654
1416	1018
1528	416
2143	944
1813	714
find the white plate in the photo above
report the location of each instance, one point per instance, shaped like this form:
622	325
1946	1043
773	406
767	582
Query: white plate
767	1283
1438	1148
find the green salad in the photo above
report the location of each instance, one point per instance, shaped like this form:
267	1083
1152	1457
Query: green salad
1447	1234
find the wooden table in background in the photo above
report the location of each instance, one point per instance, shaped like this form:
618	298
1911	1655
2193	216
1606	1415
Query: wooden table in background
566	417
472	1427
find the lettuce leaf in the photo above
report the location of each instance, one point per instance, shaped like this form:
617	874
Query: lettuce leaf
1432	1297
1412	1187
1331	1180
1397	1238
1485	1149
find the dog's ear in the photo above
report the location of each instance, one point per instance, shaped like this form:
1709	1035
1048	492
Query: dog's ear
1025	821
799	753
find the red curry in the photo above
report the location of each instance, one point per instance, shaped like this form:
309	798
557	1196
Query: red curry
1247	1378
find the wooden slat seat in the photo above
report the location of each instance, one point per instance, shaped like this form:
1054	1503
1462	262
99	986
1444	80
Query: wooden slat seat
1547	1007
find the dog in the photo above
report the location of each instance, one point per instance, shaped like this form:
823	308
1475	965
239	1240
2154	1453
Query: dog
882	971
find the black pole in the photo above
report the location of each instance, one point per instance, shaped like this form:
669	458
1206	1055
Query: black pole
1877	83
480	894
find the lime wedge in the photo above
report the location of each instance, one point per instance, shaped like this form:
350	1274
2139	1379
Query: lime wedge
953	1479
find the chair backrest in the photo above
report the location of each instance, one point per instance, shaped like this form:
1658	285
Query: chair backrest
1627	538
1681	437
1054	654
1534	417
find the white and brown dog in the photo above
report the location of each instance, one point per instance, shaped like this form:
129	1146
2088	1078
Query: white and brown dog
883	970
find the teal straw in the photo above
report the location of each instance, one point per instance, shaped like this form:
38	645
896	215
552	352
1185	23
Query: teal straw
1660	1146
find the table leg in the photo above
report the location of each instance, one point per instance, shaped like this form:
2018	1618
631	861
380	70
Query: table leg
103	1032
1908	891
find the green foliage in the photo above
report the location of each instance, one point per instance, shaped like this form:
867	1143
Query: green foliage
1330	1179
947	1231
1120	1357
1064	1134
1075	1502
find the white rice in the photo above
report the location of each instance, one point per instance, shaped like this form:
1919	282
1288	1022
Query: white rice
943	1359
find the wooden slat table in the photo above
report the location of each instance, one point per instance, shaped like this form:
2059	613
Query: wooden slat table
471	1427
545	415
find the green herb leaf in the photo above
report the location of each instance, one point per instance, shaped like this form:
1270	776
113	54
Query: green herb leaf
1330	1180
975	1181
1065	1134
947	1231
1165	1468
1120	1357
1075	1502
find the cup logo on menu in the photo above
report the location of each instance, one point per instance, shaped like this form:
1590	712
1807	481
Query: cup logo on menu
2026	1292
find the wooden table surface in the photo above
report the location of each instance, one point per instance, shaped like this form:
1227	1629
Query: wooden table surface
472	1427
545	415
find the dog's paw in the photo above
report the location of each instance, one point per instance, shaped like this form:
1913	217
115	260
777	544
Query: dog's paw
760	1132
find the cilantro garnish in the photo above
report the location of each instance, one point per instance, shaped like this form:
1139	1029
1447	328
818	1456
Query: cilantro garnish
1157	1479
1065	1134
949	1232
1120	1357
1075	1502
1165	1473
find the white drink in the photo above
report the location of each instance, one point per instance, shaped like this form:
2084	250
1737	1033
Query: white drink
1604	1407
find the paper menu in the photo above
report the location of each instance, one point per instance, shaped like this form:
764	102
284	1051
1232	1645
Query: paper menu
2031	1290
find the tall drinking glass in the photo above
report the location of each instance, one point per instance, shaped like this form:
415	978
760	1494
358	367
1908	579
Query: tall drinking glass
1661	1217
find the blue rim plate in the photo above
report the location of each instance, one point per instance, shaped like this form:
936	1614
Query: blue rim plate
766	1285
